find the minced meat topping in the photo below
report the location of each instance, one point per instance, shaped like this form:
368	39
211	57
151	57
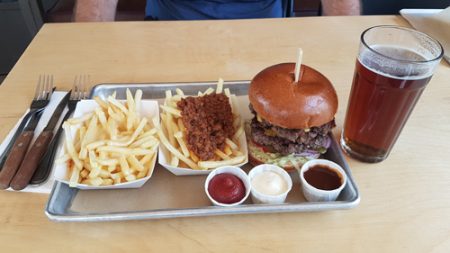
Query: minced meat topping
209	121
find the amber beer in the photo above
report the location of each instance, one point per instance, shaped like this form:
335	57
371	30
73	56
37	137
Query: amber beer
386	86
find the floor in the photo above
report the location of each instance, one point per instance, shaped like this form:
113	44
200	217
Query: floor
2	77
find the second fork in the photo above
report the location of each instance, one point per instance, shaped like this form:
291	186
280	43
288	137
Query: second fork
79	92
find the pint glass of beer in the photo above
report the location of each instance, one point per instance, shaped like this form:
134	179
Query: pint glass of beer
393	67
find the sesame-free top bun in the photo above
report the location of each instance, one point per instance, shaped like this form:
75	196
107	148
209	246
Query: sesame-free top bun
279	100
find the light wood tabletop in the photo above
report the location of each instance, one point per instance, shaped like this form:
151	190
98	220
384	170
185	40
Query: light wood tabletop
405	200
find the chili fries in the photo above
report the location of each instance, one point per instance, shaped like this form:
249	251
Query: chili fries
172	134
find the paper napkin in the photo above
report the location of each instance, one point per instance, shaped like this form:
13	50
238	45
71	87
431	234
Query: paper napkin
433	22
56	98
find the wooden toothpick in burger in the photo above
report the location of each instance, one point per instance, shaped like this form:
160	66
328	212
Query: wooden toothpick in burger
298	65
294	107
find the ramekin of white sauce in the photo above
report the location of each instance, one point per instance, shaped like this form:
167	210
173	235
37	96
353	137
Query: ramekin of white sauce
270	184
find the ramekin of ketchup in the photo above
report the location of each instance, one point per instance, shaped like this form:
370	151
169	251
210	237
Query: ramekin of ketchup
227	186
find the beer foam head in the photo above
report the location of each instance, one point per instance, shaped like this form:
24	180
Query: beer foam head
396	62
399	52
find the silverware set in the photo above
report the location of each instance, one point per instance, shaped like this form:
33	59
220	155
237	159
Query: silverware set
21	165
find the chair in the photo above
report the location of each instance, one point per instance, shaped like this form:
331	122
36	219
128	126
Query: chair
389	7
19	21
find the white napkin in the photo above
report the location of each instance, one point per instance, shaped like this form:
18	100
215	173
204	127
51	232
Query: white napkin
56	97
433	22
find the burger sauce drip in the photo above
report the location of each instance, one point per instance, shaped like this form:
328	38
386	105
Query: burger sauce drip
209	121
323	177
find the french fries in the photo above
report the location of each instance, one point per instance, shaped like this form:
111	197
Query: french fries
172	134
111	145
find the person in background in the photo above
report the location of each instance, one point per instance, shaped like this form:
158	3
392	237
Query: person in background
105	10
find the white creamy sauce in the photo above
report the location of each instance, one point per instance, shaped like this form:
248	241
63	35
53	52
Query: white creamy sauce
269	183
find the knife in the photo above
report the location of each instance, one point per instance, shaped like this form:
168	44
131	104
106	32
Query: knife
18	151
18	131
32	158
45	165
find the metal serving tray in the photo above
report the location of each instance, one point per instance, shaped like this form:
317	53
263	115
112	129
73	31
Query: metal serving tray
168	196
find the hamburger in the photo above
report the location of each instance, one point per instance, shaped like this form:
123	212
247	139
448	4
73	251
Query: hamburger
292	121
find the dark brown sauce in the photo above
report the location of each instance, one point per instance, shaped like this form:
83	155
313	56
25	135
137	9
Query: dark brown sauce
323	177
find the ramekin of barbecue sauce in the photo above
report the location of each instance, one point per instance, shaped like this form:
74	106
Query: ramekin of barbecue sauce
322	180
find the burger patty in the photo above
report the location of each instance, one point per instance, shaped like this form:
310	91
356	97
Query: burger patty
288	141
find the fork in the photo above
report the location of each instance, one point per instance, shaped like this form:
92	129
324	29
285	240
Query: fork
12	156
79	92
41	99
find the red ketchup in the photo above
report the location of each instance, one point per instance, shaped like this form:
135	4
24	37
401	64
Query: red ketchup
226	188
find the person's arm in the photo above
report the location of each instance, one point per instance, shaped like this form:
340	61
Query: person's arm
95	10
341	7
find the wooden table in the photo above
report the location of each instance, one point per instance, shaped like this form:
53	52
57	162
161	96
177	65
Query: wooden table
405	204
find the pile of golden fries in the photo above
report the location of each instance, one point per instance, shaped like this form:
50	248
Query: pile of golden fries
172	134
112	145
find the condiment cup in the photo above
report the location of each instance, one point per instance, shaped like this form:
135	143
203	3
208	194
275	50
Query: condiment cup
232	170
261	198
314	194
